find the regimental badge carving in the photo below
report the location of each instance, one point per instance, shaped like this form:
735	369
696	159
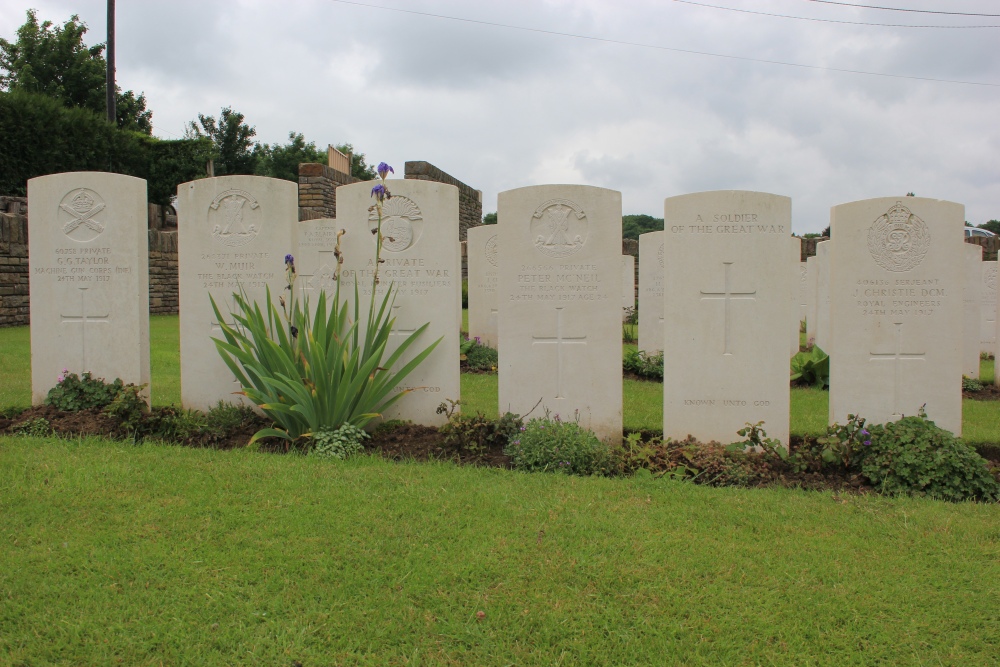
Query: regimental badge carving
803	274
898	240
235	217
402	223
990	279
491	250
559	228
81	212
659	256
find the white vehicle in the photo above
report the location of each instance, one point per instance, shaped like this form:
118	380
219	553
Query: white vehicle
975	231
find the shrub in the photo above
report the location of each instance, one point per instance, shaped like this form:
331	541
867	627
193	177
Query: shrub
644	365
339	443
545	444
478	357
477	433
38	427
971	384
73	393
914	456
812	368
128	408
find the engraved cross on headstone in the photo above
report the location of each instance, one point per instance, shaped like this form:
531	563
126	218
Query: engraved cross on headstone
321	277
559	340
83	319
897	356
728	296
398	330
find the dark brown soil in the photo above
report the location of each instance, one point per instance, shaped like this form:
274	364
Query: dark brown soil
989	392
411	442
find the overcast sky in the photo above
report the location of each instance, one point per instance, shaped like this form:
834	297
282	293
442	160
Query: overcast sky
501	107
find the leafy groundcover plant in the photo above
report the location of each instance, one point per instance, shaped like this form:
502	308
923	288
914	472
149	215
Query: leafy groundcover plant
316	369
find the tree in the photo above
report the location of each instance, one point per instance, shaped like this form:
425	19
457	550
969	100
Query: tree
359	169
991	226
490	218
279	161
235	150
633	225
53	61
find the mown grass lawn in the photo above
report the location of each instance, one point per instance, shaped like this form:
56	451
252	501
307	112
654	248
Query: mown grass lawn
643	401
158	555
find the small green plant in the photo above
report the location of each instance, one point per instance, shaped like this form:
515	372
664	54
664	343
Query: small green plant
755	439
477	433
554	445
914	456
11	411
630	318
971	384
844	444
128	408
478	358
643	364
811	368
73	393
339	443
37	427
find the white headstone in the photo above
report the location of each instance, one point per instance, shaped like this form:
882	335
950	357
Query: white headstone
628	285
315	262
89	278
897	273
651	292
422	261
232	232
812	299
972	306
794	298
988	316
726	314
823	297
803	291
482	249
560	304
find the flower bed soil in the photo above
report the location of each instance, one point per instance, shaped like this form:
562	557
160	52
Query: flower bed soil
412	442
989	392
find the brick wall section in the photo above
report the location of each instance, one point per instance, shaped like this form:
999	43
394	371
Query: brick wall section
163	287
13	270
318	189
470	200
990	246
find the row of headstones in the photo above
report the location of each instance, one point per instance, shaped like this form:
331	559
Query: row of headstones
729	290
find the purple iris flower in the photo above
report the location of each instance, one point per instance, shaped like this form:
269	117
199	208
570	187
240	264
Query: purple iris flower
384	169
380	192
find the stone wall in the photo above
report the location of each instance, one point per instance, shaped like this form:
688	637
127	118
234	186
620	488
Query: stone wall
470	200
13	262
163	287
318	190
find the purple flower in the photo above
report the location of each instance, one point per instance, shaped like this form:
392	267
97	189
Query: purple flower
868	443
864	431
290	263
478	340
384	169
380	192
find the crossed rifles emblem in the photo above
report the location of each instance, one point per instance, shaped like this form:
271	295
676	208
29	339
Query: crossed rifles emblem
83	210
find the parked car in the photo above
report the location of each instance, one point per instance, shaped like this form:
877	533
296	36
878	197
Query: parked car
975	231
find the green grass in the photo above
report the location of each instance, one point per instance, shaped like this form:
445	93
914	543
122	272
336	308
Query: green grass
150	555
643	401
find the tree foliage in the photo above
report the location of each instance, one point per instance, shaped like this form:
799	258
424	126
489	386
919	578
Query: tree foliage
490	218
359	168
991	226
282	161
51	60
633	225
41	136
235	151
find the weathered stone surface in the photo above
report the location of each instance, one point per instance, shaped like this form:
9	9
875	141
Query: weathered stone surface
972	305
988	313
897	275
423	263
89	278
484	257
726	312
628	285
560	304
651	292
234	233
